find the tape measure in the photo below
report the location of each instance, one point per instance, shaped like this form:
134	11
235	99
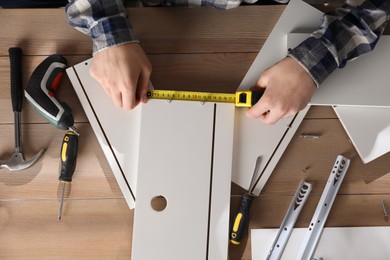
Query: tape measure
240	99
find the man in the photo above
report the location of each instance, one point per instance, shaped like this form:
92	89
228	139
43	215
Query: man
123	69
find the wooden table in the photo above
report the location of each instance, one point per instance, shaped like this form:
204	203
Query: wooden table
190	49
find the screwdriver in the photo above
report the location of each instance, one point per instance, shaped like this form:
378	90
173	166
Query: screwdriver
241	219
41	89
68	156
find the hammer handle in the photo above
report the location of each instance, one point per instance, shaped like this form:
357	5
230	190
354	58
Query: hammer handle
15	57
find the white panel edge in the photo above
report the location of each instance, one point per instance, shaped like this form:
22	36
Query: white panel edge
100	136
280	150
372	139
220	203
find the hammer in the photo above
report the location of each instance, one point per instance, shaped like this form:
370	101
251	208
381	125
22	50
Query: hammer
17	162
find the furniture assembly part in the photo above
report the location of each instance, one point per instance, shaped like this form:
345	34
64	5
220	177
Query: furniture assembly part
252	138
371	139
347	243
120	142
184	157
286	228
314	231
355	85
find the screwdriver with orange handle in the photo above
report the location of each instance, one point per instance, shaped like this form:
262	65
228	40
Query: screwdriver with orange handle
68	156
241	219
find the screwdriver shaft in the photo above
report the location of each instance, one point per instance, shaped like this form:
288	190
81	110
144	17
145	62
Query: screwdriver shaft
386	216
61	203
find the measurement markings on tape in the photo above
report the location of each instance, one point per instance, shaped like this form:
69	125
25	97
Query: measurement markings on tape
240	99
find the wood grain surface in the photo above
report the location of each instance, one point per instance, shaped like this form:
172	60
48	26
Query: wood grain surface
190	49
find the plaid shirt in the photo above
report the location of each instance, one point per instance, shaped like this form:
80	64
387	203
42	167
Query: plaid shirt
345	33
106	20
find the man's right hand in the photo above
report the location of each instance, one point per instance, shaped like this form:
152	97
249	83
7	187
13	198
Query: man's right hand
124	72
288	89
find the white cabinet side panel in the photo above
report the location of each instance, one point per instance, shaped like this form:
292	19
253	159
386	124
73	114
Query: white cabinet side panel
174	162
252	138
347	243
279	150
94	100
222	171
363	82
79	84
368	128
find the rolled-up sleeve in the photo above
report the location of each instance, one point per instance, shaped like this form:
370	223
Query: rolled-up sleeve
104	21
345	34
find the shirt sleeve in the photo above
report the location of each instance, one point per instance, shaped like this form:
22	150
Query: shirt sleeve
345	33
104	21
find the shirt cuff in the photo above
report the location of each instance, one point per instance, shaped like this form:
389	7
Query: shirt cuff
112	31
316	58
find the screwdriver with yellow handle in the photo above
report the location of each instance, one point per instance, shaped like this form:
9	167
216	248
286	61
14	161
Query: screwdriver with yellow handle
241	219
68	156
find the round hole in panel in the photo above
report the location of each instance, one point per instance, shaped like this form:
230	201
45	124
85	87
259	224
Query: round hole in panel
158	203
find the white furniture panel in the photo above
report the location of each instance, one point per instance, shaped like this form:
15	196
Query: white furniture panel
117	130
184	156
368	128
221	182
346	243
252	138
119	134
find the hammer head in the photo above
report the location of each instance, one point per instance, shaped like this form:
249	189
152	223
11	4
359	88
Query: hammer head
17	162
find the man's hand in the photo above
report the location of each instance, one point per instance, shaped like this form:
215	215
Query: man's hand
288	89
124	73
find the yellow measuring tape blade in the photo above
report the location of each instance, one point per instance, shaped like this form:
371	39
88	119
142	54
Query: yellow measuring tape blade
239	99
